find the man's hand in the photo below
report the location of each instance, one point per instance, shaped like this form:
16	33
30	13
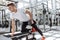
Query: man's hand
43	38
32	21
12	33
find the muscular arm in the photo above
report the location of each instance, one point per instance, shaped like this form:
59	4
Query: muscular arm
29	13
13	27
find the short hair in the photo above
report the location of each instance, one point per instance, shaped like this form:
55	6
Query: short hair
11	4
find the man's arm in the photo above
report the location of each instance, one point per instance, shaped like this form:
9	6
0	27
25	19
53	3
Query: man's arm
29	13
13	27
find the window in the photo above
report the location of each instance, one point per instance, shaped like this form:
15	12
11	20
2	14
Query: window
39	0
50	4
57	5
20	5
26	0
58	0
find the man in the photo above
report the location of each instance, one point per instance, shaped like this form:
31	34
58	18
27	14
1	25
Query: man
20	14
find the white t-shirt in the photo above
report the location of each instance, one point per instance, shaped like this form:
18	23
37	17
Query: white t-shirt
20	15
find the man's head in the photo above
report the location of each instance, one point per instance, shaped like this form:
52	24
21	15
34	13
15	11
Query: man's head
11	7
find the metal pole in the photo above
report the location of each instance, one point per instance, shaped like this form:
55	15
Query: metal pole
44	22
43	17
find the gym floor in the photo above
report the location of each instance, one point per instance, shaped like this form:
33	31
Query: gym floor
50	35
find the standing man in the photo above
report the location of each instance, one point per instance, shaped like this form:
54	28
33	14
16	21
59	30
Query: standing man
20	14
